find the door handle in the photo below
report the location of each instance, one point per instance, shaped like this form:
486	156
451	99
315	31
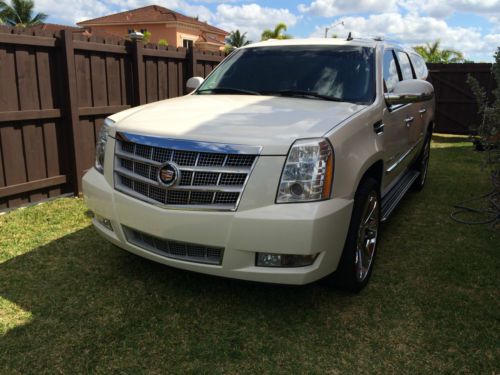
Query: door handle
409	121
378	127
422	111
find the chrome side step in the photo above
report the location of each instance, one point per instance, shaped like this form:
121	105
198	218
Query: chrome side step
391	200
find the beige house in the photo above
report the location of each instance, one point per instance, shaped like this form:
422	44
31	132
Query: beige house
177	29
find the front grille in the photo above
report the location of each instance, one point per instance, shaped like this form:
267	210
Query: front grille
208	180
174	249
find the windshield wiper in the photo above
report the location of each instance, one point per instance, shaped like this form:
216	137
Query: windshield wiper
303	94
232	90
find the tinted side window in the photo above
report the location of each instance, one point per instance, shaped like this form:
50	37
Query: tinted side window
391	75
404	64
419	66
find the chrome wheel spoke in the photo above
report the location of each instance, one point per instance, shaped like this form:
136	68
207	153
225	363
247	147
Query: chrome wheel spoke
367	237
374	205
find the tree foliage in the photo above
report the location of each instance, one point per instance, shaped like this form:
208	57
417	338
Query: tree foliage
277	33
236	39
20	13
488	128
432	53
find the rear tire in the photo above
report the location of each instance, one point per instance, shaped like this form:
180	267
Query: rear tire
356	264
422	164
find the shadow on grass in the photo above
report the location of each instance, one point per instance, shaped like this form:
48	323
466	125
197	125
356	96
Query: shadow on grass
99	309
89	299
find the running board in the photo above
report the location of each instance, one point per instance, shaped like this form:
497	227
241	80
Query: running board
391	200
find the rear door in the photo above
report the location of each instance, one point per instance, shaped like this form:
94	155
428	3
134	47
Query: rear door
415	127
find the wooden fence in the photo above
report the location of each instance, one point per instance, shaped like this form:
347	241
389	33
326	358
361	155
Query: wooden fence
456	108
56	89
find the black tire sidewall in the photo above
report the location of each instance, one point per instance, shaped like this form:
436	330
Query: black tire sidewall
345	276
421	180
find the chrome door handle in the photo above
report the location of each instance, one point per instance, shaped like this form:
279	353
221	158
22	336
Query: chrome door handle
409	121
378	127
422	111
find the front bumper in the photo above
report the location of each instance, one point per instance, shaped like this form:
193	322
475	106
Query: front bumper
306	228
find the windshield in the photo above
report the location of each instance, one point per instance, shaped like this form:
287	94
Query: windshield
340	73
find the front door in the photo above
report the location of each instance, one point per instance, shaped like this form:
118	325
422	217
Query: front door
397	123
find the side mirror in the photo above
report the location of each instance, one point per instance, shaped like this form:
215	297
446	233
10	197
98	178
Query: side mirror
193	83
410	91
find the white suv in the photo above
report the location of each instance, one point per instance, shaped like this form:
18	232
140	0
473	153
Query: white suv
279	167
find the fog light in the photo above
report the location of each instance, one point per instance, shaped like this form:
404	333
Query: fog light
104	222
284	260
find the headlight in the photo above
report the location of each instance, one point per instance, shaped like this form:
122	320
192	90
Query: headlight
308	172
100	148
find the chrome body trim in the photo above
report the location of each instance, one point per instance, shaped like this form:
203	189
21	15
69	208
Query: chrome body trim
393	166
188	145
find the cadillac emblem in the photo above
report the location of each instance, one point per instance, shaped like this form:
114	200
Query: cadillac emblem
169	174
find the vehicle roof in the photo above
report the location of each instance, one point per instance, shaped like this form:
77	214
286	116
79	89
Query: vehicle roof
359	42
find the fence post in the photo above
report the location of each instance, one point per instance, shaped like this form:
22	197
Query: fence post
138	72
72	109
192	63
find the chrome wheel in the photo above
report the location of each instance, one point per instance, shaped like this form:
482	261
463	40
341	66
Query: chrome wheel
367	236
424	167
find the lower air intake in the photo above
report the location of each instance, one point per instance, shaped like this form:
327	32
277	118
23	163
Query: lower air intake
174	249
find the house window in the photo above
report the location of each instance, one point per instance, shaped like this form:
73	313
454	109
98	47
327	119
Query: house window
187	43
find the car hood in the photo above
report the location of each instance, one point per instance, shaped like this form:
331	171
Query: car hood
273	123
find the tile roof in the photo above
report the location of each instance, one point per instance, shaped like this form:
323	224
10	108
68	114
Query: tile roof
148	14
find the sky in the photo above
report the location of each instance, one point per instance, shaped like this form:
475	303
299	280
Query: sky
470	26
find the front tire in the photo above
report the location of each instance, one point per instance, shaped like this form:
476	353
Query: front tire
356	264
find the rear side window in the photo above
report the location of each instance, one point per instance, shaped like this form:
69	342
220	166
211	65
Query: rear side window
404	64
419	66
391	74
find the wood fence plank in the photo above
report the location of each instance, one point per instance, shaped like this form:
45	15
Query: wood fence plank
98	77
32	185
29	115
173	87
99	47
27	80
87	138
52	154
151	81
44	74
2	174
13	159
26	40
83	81
104	110
113	80
162	80
8	93
35	157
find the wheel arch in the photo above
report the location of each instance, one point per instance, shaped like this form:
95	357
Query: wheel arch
373	169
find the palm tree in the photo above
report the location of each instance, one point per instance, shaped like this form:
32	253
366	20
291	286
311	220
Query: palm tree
236	39
20	13
277	33
432	53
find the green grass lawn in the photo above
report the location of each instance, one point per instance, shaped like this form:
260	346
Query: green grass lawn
72	303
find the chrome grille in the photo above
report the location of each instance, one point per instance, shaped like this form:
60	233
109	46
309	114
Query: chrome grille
174	249
208	180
